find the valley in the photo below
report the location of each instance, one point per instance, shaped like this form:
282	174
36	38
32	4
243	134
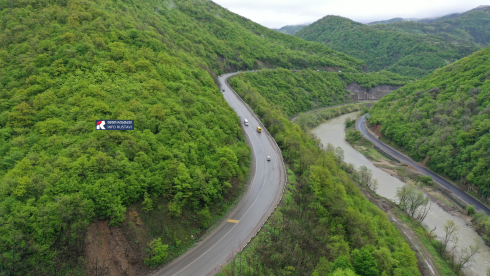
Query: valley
194	189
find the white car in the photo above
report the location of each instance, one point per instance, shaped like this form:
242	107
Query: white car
268	158
245	122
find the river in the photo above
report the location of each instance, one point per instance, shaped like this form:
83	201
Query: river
333	132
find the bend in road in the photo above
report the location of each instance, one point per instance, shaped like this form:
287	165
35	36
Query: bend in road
246	219
360	125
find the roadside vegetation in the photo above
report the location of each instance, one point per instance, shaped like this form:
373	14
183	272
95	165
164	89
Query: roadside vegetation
445	118
407	48
413	207
324	224
64	65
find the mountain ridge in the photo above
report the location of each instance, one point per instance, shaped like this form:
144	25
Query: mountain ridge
406	47
428	19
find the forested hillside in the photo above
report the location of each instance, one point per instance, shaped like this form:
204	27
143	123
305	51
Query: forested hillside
445	117
65	64
407	48
300	91
324	225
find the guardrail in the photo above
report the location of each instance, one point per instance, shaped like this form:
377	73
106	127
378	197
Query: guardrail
370	132
450	195
387	155
277	148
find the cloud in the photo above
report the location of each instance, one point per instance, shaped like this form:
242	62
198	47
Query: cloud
278	13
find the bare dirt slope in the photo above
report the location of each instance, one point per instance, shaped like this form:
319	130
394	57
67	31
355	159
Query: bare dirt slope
109	252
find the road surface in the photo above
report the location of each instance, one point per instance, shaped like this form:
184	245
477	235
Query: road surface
245	220
360	125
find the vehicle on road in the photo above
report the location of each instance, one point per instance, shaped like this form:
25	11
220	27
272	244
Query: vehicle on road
245	122
268	158
222	90
259	129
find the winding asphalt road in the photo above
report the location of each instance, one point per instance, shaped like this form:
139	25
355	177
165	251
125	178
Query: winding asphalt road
267	184
361	126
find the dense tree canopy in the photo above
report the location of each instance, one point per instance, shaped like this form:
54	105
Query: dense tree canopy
446	117
407	48
325	224
65	64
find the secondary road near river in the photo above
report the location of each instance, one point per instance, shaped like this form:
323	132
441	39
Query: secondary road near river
360	125
245	220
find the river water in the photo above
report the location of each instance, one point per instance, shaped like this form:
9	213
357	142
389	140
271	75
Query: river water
333	132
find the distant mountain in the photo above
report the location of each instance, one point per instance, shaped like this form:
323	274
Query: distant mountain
471	26
393	20
291	29
406	46
483	8
391	46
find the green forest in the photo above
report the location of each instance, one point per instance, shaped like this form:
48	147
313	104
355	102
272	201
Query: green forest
445	117
65	64
408	48
298	91
325	225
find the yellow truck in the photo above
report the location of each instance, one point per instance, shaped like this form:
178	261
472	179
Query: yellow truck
259	129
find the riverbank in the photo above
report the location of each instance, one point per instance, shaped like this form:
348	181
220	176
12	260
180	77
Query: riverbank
419	239
407	174
417	236
389	182
445	193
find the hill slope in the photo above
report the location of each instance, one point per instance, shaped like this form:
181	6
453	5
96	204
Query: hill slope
408	48
324	225
446	117
64	65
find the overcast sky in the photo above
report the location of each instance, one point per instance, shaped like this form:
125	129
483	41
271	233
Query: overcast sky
278	13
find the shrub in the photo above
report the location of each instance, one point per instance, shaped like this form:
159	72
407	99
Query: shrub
157	253
349	122
204	218
352	136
